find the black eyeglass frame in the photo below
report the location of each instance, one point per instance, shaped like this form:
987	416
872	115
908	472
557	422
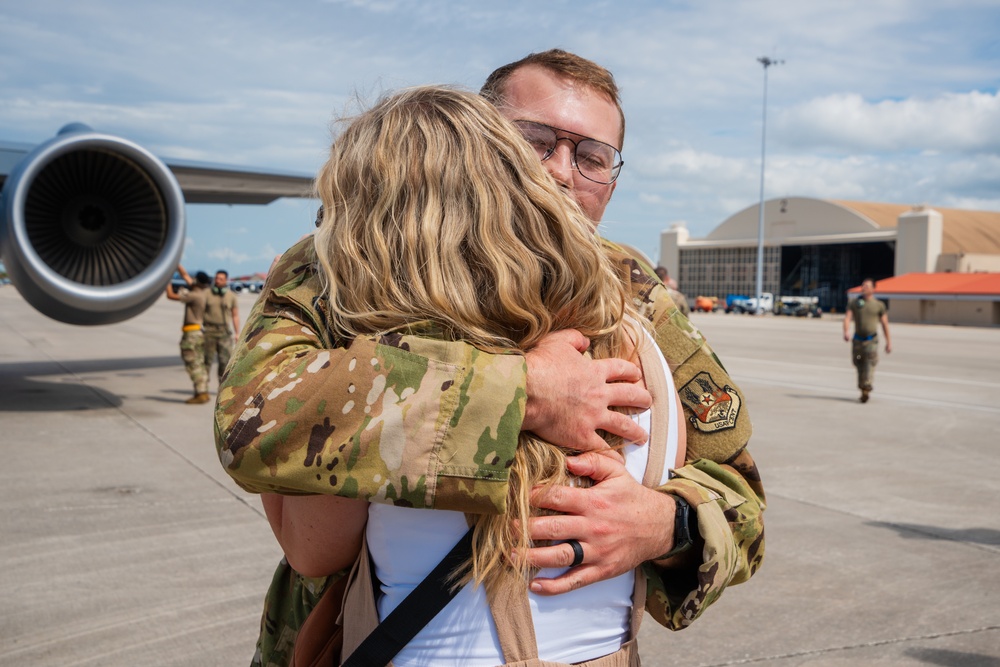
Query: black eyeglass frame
616	168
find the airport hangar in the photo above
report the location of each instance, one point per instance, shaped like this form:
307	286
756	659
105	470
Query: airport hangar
821	247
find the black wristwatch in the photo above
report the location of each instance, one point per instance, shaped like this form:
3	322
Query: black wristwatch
685	527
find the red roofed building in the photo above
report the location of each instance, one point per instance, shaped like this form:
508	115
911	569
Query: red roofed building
941	298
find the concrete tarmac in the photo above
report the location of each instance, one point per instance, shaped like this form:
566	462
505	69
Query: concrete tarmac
123	542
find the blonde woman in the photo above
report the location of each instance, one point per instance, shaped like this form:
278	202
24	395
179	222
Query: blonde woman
440	221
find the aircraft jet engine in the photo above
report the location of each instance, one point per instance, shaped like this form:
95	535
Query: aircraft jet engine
91	227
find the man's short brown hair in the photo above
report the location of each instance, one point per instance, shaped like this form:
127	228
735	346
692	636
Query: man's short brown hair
562	63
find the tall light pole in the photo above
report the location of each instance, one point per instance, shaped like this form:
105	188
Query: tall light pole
766	62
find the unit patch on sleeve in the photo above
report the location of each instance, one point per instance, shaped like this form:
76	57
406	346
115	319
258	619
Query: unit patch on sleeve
713	408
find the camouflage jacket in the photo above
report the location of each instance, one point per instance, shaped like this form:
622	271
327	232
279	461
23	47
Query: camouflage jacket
430	423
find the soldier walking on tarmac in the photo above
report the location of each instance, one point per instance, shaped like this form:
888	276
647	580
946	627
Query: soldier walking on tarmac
866	312
192	337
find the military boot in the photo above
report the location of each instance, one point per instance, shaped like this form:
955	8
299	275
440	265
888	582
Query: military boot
198	398
864	394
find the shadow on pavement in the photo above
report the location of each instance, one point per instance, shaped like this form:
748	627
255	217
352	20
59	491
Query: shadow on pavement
842	399
952	658
27	395
70	387
910	531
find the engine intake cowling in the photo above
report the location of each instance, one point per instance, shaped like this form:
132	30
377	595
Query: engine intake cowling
91	227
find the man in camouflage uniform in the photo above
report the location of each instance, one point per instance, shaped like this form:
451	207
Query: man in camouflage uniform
221	310
867	313
192	336
431	423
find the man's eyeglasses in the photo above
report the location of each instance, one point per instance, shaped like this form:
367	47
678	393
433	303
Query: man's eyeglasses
595	160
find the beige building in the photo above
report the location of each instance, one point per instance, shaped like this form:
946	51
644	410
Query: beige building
818	247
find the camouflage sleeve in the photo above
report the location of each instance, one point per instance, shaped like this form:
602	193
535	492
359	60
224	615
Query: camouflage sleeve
731	525
400	419
720	479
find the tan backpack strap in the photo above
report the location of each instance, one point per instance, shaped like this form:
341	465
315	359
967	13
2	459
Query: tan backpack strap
516	631
638	602
656	384
663	401
512	618
359	616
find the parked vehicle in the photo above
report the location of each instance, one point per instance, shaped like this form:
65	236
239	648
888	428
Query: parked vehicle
706	304
741	304
766	304
798	306
736	303
252	286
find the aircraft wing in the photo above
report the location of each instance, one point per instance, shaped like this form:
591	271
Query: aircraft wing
205	182
11	152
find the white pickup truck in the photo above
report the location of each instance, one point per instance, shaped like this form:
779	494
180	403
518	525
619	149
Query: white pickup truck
750	305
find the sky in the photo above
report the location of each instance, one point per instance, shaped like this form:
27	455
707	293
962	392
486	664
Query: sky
878	100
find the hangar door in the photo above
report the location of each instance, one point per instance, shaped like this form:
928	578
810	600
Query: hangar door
828	271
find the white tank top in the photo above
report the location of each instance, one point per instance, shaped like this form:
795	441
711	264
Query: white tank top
406	544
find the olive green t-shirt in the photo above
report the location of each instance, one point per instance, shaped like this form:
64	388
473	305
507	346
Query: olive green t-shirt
867	314
194	305
219	309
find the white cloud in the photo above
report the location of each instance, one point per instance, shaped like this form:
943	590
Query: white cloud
886	100
228	255
955	122
375	6
693	165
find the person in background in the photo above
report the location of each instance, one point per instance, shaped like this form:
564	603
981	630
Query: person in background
866	312
675	294
222	323
192	337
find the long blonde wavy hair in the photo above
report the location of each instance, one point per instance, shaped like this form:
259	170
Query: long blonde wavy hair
436	210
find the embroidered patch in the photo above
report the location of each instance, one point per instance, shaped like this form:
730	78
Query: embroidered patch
713	408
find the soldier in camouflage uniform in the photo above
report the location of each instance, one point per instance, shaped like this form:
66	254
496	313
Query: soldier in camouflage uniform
222	323
867	313
431	423
192	336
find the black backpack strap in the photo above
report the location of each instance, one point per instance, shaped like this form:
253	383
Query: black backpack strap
414	612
